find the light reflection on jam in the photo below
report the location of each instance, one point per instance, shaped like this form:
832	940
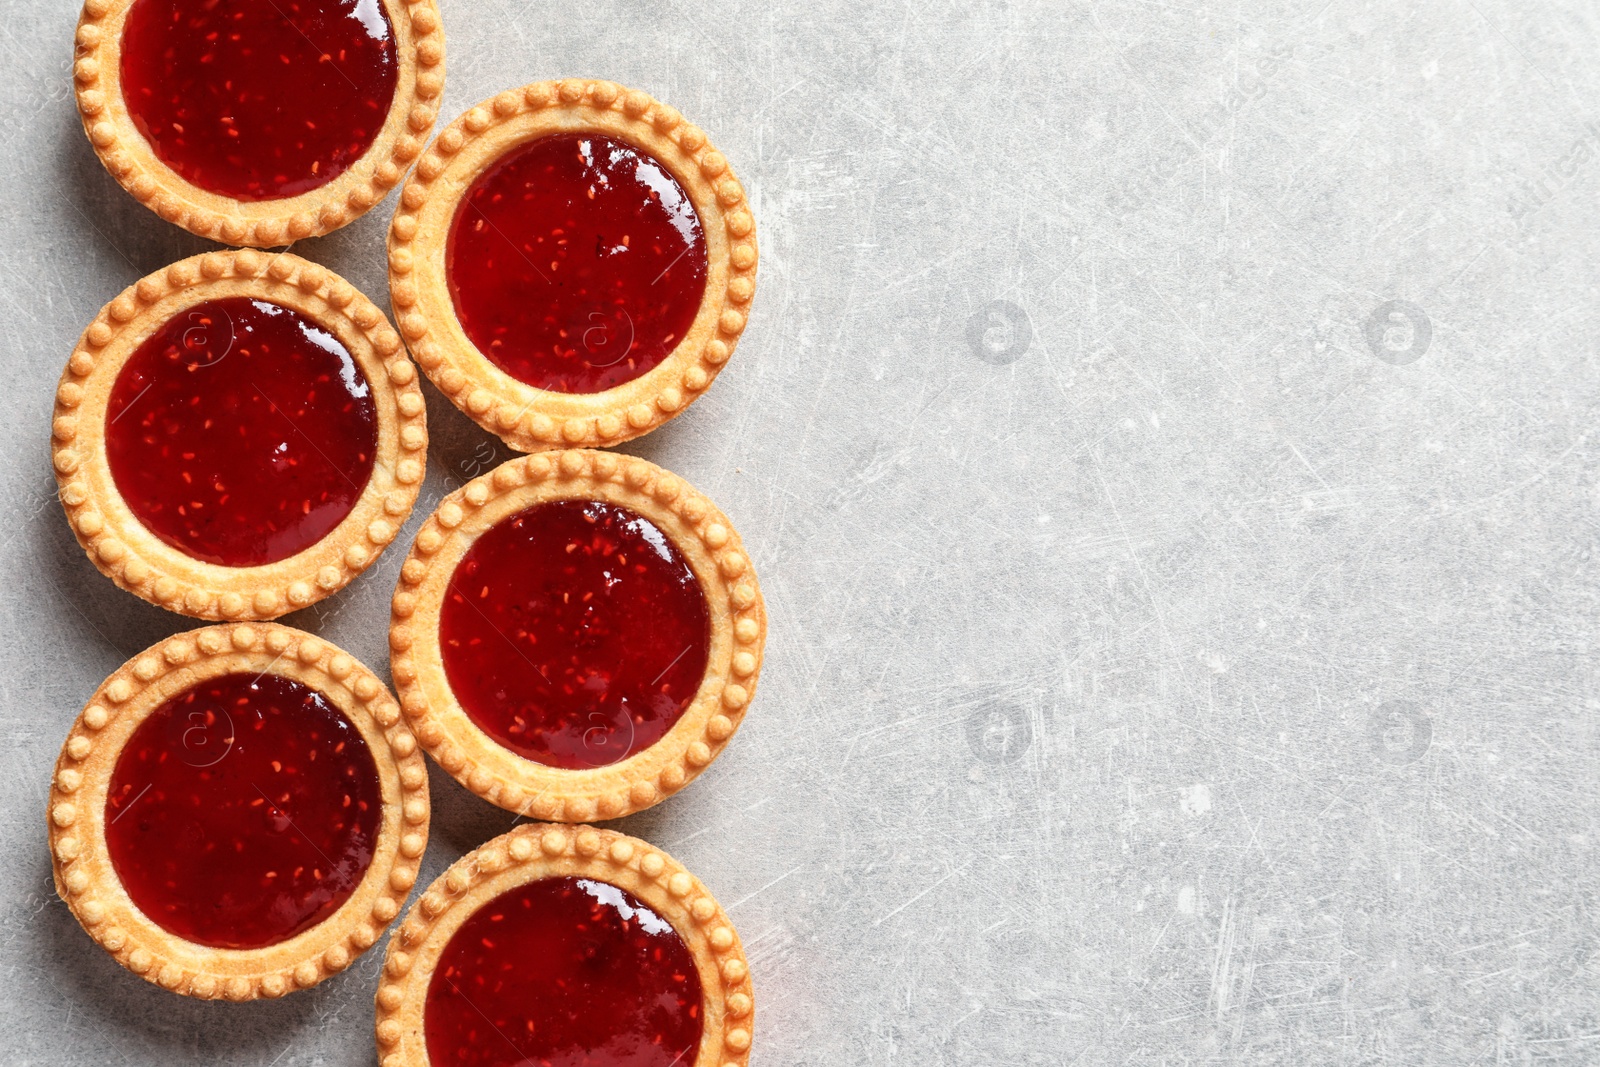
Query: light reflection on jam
566	972
576	263
243	811
241	432
574	633
259	100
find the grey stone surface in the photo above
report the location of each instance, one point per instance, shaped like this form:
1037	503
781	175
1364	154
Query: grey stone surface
1164	435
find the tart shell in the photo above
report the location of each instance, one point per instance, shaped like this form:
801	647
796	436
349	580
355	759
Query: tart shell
140	562
706	540
88	882
534	851
97	77
530	419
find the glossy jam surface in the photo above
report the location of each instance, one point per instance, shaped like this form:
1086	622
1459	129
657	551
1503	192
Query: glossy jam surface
241	432
258	100
567	972
576	262
574	633
243	811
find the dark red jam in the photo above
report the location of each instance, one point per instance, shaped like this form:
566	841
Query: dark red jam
241	432
568	972
574	633
576	263
263	99
243	811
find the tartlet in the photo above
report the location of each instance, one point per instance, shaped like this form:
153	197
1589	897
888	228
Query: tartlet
576	635
192	778
212	426
652	935
258	124
572	263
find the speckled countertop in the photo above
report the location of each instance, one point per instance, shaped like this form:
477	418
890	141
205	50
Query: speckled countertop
1166	436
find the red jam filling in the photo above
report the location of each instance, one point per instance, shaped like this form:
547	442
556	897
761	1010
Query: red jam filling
241	432
574	633
564	972
243	811
576	263
258	101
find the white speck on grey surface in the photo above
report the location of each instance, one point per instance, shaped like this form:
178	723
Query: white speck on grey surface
1163	435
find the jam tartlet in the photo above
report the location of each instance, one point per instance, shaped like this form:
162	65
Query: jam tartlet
572	263
238	435
238	812
259	124
576	634
559	944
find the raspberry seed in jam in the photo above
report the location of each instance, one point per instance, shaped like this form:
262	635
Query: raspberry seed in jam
564	971
574	633
243	811
576	262
259	100
241	432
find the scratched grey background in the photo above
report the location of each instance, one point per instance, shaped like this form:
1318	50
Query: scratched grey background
1165	438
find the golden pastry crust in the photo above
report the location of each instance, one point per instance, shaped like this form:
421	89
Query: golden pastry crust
97	74
142	563
714	552
87	881
534	851
530	419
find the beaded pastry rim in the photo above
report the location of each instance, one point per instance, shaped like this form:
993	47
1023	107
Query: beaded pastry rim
530	419
714	552
140	562
97	78
541	850
86	879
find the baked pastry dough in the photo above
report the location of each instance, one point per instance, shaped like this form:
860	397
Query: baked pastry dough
540	851
107	527
128	154
87	878
700	533
532	419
